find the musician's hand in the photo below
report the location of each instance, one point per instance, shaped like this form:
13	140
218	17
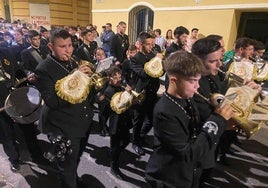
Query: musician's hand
253	85
159	55
85	69
226	111
31	78
128	88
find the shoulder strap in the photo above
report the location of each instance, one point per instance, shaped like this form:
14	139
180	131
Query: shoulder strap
36	55
86	52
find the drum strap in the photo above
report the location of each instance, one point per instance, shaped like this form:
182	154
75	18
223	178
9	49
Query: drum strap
36	55
87	52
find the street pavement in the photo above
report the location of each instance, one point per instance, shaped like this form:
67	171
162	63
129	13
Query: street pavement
248	166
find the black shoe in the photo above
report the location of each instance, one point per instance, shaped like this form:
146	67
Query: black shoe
139	150
224	161
15	166
116	172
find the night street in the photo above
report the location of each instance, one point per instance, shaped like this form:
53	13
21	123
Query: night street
248	167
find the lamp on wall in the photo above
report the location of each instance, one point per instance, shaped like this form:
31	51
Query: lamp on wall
197	1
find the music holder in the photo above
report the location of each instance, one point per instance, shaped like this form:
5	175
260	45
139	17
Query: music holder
104	64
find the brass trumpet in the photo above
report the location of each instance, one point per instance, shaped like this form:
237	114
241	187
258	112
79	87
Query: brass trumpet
95	79
76	86
123	100
249	126
234	77
154	67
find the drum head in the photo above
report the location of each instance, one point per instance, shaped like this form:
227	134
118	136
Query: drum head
22	102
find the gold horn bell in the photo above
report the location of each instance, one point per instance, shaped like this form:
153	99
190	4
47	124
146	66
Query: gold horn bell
241	118
76	86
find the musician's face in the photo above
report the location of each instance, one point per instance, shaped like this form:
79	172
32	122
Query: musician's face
248	51
131	53
116	79
147	46
89	37
61	48
185	87
35	41
214	61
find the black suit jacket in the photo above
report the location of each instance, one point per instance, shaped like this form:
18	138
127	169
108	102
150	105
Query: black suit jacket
9	66
119	47
143	80
175	159
116	121
208	85
60	116
29	61
82	55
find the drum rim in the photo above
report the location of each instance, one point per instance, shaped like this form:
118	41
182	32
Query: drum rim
34	109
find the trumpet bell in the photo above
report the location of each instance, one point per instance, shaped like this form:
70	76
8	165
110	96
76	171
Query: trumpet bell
73	88
121	101
138	97
89	64
248	126
154	67
98	81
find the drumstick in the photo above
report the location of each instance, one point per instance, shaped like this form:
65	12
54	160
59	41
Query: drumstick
5	107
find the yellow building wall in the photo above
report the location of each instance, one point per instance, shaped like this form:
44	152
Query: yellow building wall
2	10
210	16
19	9
70	12
62	12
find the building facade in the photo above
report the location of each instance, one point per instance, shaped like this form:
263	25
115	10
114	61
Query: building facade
229	18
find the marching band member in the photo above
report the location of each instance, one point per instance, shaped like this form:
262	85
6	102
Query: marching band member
210	52
8	78
34	54
119	124
178	144
7	134
87	49
60	117
143	82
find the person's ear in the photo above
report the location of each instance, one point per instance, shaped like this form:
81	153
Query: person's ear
172	79
50	46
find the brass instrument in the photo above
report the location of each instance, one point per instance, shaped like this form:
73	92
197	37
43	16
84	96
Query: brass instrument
75	87
242	111
262	68
234	77
123	100
243	69
154	67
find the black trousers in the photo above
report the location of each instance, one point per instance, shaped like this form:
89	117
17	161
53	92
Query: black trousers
103	115
68	168
118	142
28	133
141	113
7	137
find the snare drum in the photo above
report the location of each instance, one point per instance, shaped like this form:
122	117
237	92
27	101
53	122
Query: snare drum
23	105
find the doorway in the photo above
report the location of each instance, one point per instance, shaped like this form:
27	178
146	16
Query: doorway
254	25
141	18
